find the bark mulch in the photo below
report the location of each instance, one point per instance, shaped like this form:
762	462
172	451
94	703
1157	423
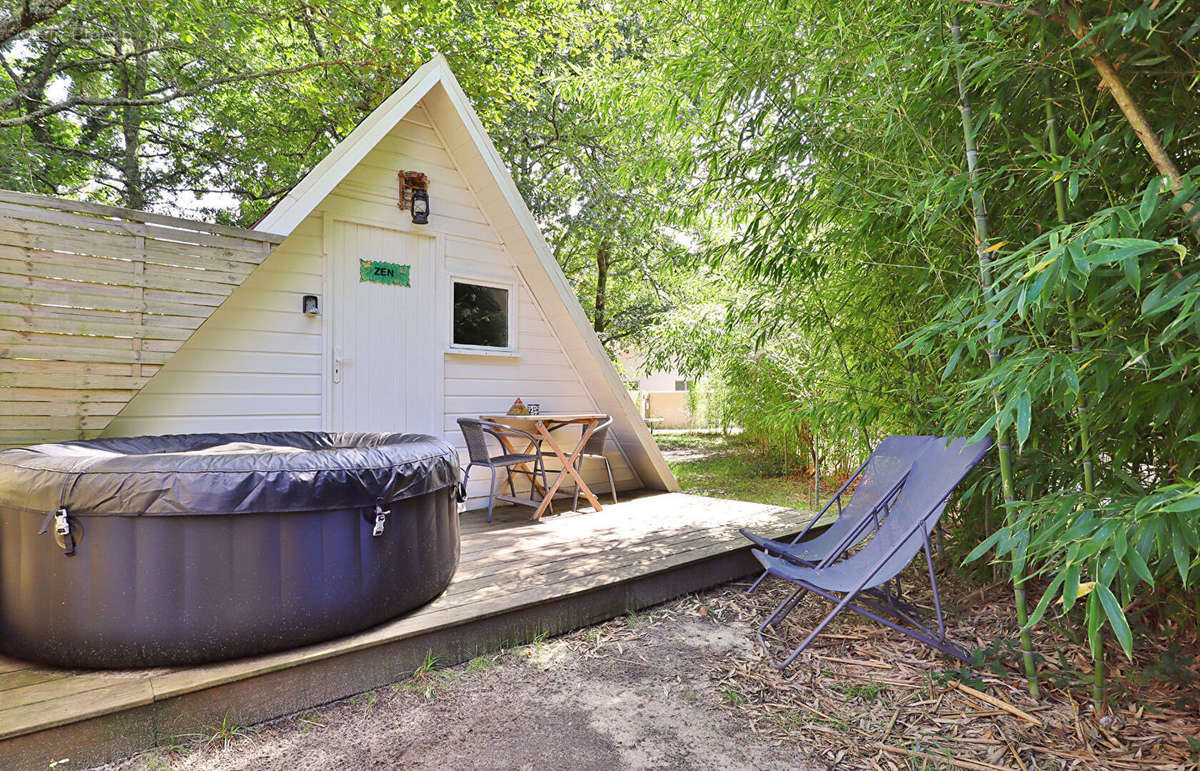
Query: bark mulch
866	696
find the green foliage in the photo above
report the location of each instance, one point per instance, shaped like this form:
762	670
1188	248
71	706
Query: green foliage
854	305
220	108
217	110
1134	376
228	732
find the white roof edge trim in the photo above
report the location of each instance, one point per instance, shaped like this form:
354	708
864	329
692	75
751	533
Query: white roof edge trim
308	194
541	249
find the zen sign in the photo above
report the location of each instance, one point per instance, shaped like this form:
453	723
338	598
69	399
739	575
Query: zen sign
381	272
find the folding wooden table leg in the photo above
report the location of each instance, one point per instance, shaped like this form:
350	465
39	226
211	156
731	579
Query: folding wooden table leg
568	467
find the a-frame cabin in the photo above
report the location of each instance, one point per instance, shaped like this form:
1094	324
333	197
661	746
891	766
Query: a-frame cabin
384	355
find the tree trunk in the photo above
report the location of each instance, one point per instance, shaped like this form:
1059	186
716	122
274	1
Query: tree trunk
32	13
133	86
598	319
1004	451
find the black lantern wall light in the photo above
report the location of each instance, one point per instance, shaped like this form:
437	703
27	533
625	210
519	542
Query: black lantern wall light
414	195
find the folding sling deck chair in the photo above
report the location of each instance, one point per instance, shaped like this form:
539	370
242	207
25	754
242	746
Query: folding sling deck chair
879	479
862	579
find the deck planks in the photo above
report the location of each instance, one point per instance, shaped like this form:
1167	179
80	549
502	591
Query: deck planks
514	574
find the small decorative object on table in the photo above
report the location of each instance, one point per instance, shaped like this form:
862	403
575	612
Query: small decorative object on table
534	408
518	408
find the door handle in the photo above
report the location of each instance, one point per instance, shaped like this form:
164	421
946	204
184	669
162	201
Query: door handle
338	362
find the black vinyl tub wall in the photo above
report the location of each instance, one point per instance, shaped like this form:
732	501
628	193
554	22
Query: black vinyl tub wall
167	550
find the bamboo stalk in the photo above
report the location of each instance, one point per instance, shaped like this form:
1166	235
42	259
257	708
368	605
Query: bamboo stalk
1004	450
816	474
1095	640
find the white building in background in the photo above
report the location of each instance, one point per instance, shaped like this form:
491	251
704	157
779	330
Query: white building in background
664	396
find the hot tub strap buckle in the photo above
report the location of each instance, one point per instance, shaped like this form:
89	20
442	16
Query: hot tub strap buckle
62	529
380	519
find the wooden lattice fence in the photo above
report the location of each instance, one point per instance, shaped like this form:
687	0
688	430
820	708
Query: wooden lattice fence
94	299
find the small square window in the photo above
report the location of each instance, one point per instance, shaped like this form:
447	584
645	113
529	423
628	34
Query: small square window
681	385
480	315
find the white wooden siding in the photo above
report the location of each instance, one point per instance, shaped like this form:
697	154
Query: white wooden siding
254	365
474	384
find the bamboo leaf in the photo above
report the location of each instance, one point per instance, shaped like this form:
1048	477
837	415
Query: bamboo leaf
1095	618
1024	410
1149	200
986	428
1133	273
1116	618
1121	252
985	546
1070	376
1182	559
953	361
1044	602
1190	503
1071	587
1134	559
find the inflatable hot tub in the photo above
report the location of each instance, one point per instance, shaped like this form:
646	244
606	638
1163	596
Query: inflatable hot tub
164	550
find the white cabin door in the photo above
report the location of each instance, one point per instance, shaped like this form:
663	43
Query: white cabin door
386	364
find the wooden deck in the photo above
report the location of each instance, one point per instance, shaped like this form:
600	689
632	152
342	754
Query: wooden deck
517	579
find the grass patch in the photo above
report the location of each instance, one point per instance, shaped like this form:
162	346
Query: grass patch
868	691
481	664
430	678
229	731
733	467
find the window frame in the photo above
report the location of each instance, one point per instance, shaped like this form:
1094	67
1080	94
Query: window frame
511	288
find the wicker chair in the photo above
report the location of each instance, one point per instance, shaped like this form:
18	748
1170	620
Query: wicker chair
476	432
594	450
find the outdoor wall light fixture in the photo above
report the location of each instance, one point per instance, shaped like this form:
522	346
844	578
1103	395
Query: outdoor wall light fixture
420	207
414	195
311	305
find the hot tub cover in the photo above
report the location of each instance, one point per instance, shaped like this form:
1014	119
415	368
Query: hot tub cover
189	474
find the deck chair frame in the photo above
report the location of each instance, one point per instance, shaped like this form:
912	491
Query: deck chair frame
874	604
867	592
852	536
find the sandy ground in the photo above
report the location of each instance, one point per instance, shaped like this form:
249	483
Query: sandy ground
638	692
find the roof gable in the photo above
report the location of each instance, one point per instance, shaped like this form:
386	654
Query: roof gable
308	194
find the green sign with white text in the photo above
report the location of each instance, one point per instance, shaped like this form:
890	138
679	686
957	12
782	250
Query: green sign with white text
383	272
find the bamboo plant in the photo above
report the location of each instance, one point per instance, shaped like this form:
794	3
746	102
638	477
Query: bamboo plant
983	252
